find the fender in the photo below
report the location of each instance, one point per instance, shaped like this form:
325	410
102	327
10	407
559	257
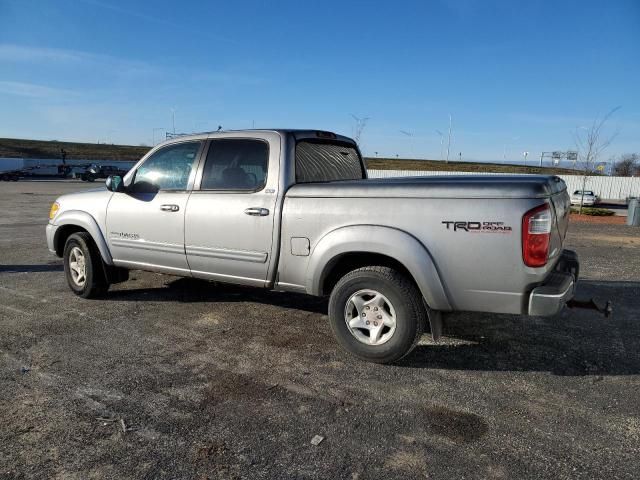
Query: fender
394	243
86	221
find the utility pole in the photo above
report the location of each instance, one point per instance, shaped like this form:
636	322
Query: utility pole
449	142
441	142
154	133
173	119
410	135
361	122
504	151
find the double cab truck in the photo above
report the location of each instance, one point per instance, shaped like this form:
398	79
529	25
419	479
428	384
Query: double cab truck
294	210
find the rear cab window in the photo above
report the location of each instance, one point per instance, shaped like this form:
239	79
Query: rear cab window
327	161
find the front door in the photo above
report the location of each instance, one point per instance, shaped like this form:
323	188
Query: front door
145	224
230	217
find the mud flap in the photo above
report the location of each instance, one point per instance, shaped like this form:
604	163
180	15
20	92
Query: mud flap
590	304
435	321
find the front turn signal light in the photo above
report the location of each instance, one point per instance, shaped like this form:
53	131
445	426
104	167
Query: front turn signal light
54	209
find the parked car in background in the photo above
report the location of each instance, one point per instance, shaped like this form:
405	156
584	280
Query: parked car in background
101	171
589	198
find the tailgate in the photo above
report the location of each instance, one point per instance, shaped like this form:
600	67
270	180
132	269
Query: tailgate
562	207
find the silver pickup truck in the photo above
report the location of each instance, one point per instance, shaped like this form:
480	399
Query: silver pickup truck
294	210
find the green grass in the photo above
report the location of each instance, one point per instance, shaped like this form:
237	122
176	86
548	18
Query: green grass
400	164
593	211
22	148
19	148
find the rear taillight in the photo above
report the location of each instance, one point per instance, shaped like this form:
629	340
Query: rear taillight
536	231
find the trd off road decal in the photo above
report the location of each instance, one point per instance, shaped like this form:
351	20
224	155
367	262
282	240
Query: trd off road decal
478	227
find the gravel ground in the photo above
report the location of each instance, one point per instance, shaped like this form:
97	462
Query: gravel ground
173	378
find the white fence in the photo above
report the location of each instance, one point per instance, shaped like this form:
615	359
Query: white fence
610	188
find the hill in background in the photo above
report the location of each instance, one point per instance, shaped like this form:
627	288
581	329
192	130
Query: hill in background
50	149
439	165
19	148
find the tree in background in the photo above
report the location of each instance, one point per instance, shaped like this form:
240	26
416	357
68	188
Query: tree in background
591	142
628	165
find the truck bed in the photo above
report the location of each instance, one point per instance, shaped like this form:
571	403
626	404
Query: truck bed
481	270
450	186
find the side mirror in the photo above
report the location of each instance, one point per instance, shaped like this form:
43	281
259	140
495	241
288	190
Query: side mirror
114	183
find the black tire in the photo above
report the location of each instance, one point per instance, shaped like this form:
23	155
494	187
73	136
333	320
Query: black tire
91	178
95	283
402	293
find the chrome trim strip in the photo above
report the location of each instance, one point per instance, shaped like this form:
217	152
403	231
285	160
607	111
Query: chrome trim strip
144	245
290	287
152	267
220	277
226	254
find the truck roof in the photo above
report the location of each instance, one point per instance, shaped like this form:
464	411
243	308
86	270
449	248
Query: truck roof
296	132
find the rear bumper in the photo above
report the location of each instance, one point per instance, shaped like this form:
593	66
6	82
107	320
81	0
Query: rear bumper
584	202
558	288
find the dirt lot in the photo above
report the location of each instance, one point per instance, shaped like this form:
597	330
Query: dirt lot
214	381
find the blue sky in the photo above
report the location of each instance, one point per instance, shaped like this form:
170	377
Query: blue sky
516	76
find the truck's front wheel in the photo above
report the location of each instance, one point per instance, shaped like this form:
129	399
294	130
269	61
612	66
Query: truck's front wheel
377	314
83	266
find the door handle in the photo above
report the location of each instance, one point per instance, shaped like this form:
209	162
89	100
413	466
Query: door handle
169	208
257	212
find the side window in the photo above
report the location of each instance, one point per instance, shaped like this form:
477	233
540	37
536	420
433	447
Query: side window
167	169
235	164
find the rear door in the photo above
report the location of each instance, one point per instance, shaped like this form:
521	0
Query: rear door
229	223
145	224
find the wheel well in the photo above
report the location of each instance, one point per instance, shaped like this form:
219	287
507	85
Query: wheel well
62	234
345	263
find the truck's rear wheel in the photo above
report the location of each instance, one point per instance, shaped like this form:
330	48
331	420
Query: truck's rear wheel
377	314
83	266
